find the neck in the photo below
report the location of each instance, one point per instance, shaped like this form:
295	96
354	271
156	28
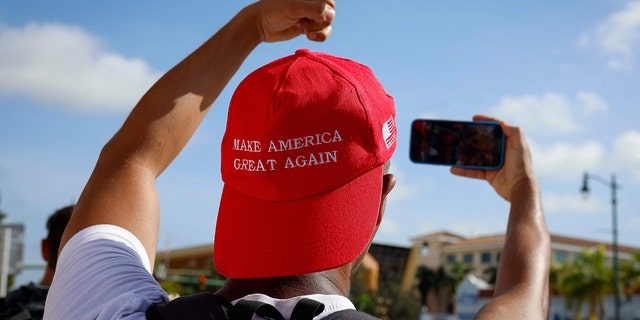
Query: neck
47	278
334	281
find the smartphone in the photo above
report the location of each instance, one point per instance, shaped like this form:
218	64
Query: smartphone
467	144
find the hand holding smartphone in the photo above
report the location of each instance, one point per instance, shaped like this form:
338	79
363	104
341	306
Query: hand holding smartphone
466	144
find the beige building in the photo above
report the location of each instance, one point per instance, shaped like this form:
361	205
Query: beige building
483	252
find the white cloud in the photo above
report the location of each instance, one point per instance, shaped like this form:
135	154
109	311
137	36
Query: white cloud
68	67
618	36
549	113
573	203
564	160
591	103
626	151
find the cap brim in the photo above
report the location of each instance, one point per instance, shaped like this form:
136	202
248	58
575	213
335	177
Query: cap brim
257	238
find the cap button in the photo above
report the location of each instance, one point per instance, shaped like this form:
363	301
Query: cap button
303	52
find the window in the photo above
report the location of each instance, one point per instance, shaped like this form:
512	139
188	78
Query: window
468	258
485	257
424	250
451	259
559	256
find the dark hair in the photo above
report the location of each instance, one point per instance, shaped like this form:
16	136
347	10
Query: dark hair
56	224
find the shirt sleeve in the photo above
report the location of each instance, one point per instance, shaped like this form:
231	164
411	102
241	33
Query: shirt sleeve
103	272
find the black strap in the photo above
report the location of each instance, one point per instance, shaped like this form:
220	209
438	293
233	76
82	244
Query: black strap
244	310
207	306
204	306
306	309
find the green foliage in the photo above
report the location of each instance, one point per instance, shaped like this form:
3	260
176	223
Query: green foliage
426	282
585	280
365	303
443	283
388	303
406	306
457	272
630	271
491	274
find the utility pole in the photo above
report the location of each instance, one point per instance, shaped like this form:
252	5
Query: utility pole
2	214
614	219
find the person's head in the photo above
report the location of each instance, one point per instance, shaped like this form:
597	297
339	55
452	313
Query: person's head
56	224
303	159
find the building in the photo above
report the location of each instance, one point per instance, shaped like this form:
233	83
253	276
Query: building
389	264
443	249
483	253
385	263
191	268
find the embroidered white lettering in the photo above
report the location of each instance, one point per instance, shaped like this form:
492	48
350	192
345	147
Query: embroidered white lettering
303	142
272	164
249	165
313	159
247	145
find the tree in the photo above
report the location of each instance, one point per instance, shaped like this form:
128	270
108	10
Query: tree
491	274
443	283
587	279
443	290
457	272
630	274
426	282
388	302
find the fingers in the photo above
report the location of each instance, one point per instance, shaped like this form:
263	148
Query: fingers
280	20
316	18
316	10
319	36
506	128
483	117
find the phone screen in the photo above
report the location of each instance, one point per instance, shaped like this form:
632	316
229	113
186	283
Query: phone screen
469	144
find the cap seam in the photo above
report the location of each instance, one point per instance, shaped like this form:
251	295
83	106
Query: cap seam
369	138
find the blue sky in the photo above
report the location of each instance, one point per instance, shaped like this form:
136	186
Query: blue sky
567	72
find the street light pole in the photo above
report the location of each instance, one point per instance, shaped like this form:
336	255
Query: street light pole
614	219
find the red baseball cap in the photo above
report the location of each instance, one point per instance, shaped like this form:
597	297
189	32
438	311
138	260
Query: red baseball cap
302	158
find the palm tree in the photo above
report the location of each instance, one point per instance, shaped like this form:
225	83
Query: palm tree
443	283
585	279
491	274
457	272
630	274
426	282
435	282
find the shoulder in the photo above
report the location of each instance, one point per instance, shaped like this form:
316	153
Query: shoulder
107	266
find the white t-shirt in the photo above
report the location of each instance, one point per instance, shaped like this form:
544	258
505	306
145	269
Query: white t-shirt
103	272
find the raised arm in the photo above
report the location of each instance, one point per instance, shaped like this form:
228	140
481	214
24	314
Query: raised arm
121	190
521	290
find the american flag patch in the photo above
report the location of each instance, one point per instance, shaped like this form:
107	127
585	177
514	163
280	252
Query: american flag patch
389	132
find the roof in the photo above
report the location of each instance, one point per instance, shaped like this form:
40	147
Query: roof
498	240
440	236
